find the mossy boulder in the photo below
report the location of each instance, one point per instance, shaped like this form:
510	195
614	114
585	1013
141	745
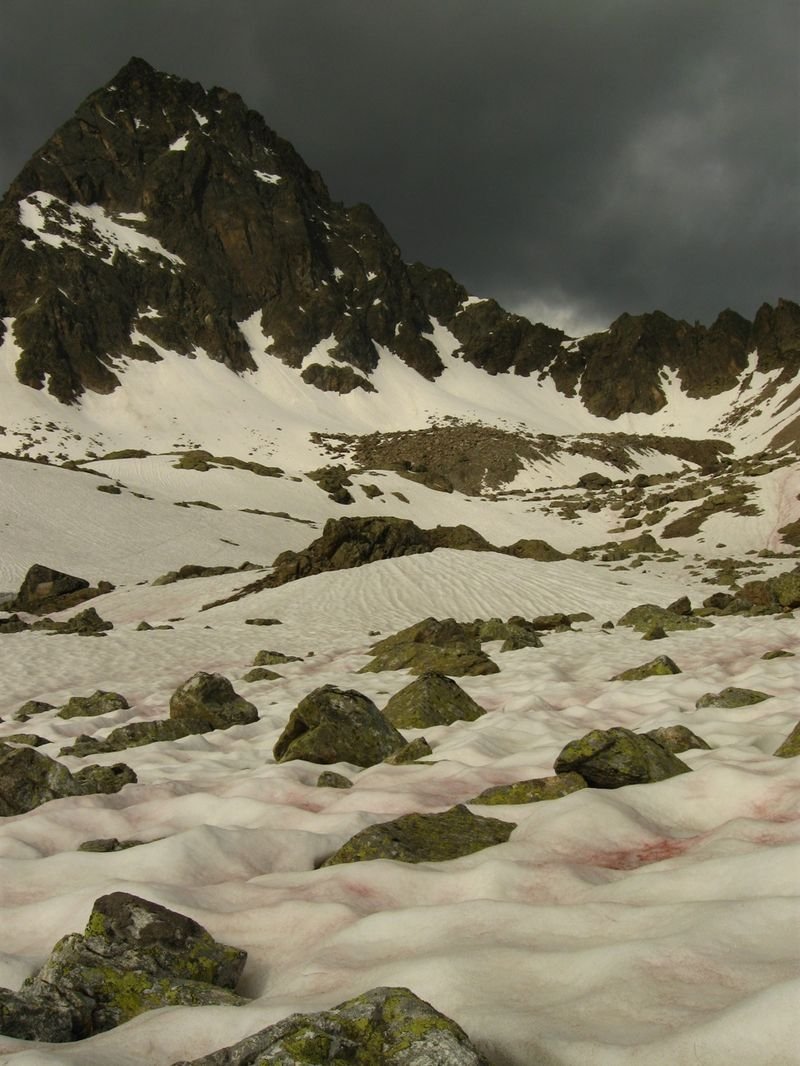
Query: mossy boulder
538	550
424	838
29	778
647	616
133	956
86	623
274	658
330	779
432	646
31	708
661	666
677	738
12	623
33	740
99	702
612	758
411	752
386	1026
732	697
211	698
333	725
433	699
790	748
44	589
516	633
534	790
778	653
261	673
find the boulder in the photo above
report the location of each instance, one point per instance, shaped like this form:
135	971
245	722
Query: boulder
99	702
732	697
133	956
433	699
29	778
411	752
44	589
261	673
538	550
424	838
30	708
211	698
647	616
432	646
274	658
86	623
611	758
135	734
386	1026
790	748
330	779
532	791
677	738
660	666
333	725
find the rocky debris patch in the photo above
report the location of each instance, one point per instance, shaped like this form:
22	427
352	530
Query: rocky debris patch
44	590
211	698
99	702
677	738
424	838
647	616
199	459
534	790
432	646
29	778
332	725
612	758
433	699
538	550
660	666
133	956
732	697
330	378
386	1026
334	481
192	570
790	748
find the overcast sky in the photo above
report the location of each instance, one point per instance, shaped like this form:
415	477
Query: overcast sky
572	158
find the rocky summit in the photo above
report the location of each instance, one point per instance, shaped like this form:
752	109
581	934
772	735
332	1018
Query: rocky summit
352	568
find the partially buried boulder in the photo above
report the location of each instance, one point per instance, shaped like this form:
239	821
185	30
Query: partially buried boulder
29	778
677	738
44	589
99	702
732	697
211	698
661	666
647	616
611	758
790	748
533	791
424	838
433	699
387	1026
134	956
333	725
86	623
443	647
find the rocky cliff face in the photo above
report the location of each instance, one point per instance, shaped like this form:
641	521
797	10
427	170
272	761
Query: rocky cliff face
164	215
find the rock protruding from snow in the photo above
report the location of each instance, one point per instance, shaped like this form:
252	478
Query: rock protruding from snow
390	1026
612	758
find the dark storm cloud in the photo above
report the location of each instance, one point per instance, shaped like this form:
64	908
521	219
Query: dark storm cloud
573	159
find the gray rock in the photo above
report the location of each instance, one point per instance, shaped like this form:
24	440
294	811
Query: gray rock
333	725
382	1027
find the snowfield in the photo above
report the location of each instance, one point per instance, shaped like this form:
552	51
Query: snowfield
651	925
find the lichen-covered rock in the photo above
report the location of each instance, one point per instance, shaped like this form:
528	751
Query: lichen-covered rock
677	738
211	698
647	615
656	633
382	1027
516	632
136	734
790	748
99	702
274	658
532	791
332	725
30	708
330	779
13	624
611	758
732	697
29	778
661	666
433	699
25	1018
424	838
778	653
432	646
32	739
261	673
133	956
415	749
